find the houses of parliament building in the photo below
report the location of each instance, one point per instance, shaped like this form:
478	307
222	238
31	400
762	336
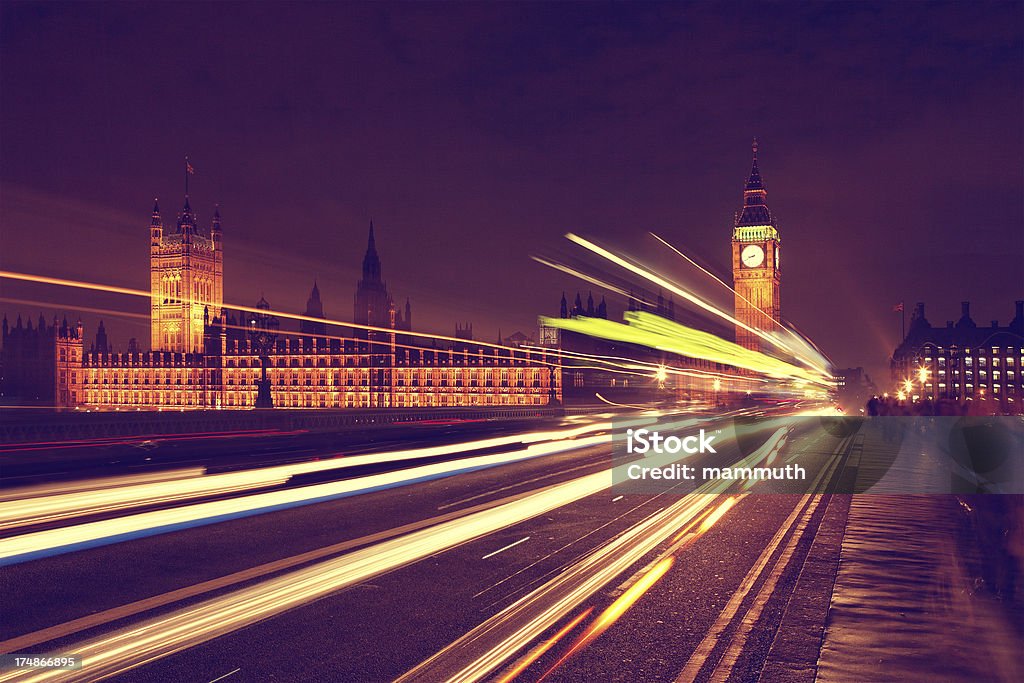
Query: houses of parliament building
203	355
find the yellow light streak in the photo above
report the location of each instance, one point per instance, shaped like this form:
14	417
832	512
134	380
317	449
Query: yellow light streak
672	287
809	361
538	652
719	512
615	610
112	289
653	331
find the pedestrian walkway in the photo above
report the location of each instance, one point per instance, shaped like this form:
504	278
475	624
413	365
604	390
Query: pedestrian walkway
908	602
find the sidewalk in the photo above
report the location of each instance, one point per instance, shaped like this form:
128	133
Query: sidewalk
909	601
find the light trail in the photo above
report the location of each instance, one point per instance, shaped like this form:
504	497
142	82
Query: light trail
643	368
78	309
53	541
82	501
538	652
653	331
810	352
112	289
672	287
48	490
805	354
614	611
144	438
717	279
111	654
185	627
569	270
485	648
716	515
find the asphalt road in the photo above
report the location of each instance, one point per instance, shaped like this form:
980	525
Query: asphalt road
533	566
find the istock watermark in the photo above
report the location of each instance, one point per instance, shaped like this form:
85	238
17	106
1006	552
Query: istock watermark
892	455
645	440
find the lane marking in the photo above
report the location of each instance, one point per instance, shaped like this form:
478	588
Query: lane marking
704	649
596	463
739	640
558	570
617	499
230	673
478	652
501	550
159	636
35	545
99	618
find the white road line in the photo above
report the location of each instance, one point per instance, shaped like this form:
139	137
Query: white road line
501	550
480	651
143	642
516	485
230	673
617	498
807	502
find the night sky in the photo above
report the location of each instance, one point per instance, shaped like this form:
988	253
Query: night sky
476	135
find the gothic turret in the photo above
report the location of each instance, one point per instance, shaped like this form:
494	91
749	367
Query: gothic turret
102	345
187	219
371	262
156	227
216	230
314	306
373	304
314	309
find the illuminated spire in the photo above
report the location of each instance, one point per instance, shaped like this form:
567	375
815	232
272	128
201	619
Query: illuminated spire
755	207
156	222
754	181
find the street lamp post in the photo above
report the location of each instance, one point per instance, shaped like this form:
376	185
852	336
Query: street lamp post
263	330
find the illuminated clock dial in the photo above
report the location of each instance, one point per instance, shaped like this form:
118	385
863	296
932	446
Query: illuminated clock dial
752	256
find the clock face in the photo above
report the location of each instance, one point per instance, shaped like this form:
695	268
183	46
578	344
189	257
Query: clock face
752	256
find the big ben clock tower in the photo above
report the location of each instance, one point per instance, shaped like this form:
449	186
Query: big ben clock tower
755	263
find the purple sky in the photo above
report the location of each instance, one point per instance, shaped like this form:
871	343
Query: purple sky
476	135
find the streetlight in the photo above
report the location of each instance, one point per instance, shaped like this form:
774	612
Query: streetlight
263	330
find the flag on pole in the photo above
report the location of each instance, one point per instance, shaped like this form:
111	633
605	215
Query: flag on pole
188	167
898	308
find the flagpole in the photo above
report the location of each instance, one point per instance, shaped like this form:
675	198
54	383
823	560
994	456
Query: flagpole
186	175
903	322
